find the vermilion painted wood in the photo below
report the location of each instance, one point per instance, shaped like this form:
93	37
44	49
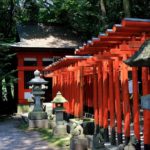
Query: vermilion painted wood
105	43
118	103
95	49
146	113
105	94
123	40
107	46
118	96
68	91
114	38
130	23
65	62
76	96
118	31
122	52
86	90
71	91
126	34
111	95
21	68
130	29
125	97
21	87
100	94
81	97
136	103
89	94
95	98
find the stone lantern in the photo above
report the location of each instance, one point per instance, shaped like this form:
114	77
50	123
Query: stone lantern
60	128
37	117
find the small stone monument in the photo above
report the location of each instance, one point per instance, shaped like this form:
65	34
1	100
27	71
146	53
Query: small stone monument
98	141
52	121
76	130
60	129
78	140
133	144
37	117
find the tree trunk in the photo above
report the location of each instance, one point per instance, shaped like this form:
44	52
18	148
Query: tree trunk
126	7
103	13
103	9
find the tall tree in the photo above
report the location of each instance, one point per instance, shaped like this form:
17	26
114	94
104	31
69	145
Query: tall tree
32	11
7	12
126	7
103	12
7	79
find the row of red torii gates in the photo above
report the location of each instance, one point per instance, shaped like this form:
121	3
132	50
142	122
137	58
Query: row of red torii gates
97	77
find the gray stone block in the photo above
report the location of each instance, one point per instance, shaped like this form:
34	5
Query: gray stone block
78	143
38	123
35	115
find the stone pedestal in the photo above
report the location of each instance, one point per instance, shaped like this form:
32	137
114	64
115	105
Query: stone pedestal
98	142
43	123
37	115
78	143
94	142
60	130
38	120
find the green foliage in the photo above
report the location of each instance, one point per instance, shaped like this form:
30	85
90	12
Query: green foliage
7	71
6	17
47	135
81	16
32	11
5	58
140	9
114	11
84	17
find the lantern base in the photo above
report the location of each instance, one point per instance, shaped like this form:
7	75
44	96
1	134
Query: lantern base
37	115
78	143
60	130
43	123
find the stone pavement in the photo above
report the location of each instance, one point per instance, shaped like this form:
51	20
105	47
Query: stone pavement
12	138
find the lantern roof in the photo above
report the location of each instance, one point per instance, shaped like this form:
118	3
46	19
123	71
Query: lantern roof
59	98
37	79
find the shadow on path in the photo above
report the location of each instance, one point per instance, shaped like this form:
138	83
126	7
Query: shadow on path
12	138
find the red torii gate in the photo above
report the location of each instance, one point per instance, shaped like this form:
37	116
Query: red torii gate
64	77
132	38
110	75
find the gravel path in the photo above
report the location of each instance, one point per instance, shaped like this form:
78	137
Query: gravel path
12	138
